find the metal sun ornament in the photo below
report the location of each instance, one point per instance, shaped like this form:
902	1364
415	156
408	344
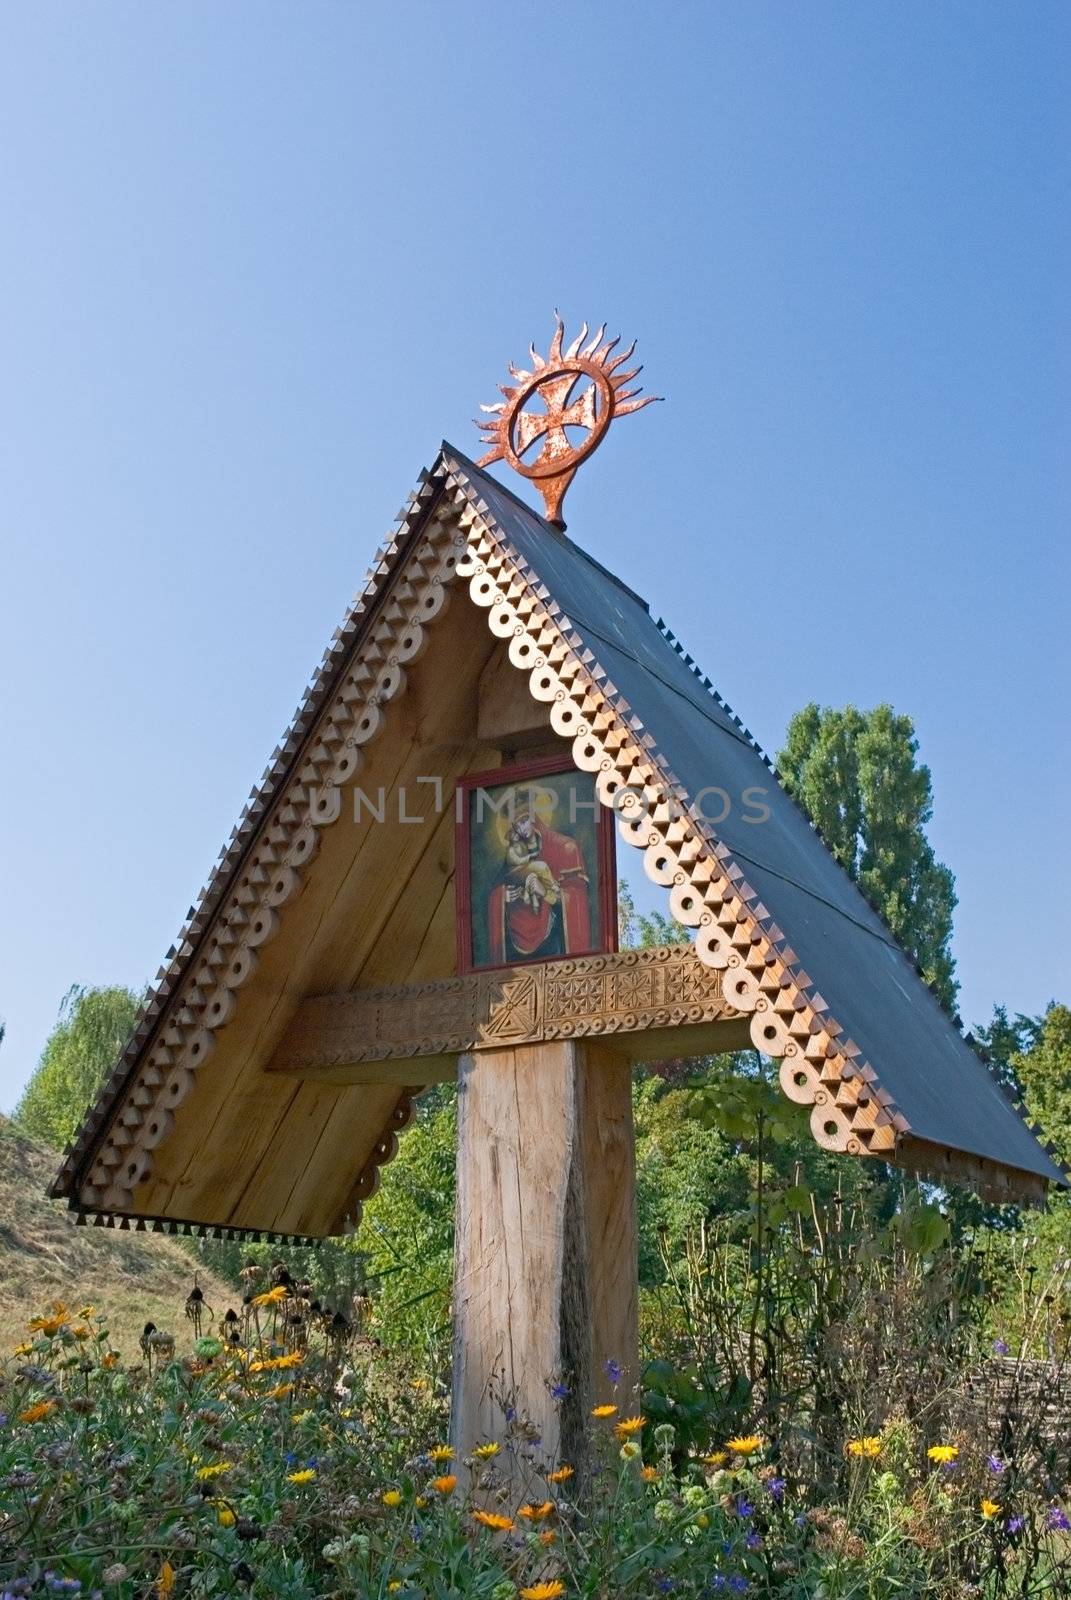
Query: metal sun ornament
578	388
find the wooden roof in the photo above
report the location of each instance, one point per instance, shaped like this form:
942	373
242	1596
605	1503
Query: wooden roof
306	900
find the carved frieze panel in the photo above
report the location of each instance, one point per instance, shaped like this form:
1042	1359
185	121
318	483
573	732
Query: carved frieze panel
629	991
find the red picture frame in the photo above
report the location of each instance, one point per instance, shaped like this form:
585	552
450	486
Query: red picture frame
550	865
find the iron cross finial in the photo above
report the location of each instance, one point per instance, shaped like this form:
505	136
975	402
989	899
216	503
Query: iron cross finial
578	388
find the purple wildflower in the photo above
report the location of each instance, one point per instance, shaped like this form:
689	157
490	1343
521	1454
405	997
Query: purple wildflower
1057	1520
744	1508
559	1391
613	1371
776	1488
1015	1524
999	1347
995	1464
753	1541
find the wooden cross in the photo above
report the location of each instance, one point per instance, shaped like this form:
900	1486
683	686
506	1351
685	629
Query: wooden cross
545	1275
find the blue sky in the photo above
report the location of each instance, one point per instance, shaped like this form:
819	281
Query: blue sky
259	258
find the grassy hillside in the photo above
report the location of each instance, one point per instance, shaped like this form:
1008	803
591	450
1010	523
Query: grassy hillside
130	1277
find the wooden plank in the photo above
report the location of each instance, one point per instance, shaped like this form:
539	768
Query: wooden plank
545	1255
506	715
664	999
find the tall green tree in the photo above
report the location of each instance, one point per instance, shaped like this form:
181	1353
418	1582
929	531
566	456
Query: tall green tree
93	1027
1044	1070
858	777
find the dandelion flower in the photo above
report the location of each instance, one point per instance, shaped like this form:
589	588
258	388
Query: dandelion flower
746	1445
649	1474
716	1458
943	1452
280	1391
441	1452
600	1411
303	1416
23	1349
543	1591
560	1475
306	1475
216	1470
446	1484
989	1508
627	1426
165	1581
227	1519
485	1451
537	1513
49	1325
869	1446
548	1536
38	1412
392	1497
491	1519
629	1450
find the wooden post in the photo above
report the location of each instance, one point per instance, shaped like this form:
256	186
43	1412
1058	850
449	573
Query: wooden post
545	1271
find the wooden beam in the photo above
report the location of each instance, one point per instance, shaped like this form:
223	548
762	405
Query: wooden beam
545	1274
655	1003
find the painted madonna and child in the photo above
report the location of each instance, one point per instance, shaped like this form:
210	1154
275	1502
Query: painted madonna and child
537	857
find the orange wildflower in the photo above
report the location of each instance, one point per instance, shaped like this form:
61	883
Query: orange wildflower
491	1519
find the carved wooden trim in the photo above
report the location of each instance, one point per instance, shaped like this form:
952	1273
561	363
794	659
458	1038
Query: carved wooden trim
627	992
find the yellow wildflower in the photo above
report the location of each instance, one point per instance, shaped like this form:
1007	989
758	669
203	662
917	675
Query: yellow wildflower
394	1585
38	1412
559	1475
649	1474
392	1497
600	1411
943	1452
491	1519
543	1591
990	1508
280	1391
486	1451
627	1426
87	1313
716	1458
272	1297
110	1360
446	1484
165	1581
629	1450
303	1416
216	1470
421	1501
548	1536
227	1518
23	1349
81	1331
869	1446
49	1325
538	1513
441	1452
419	1384
746	1445
306	1475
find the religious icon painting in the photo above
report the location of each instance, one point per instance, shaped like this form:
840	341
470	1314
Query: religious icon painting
536	869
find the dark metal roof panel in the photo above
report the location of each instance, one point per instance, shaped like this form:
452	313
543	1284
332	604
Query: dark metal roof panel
943	1088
